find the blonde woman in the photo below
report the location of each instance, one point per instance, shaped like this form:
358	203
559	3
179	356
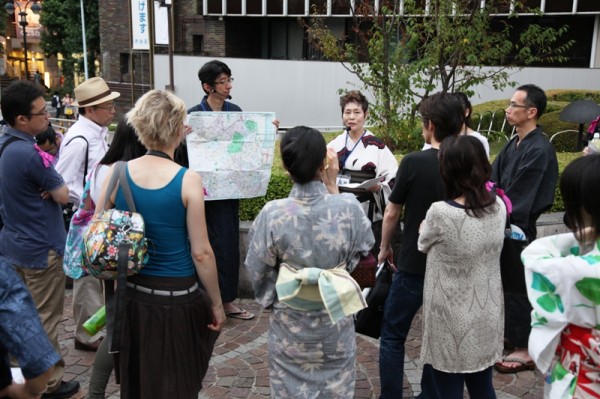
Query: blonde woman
170	320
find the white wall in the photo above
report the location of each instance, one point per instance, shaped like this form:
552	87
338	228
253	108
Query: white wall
306	92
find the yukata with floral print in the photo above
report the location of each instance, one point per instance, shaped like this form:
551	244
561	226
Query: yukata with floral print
563	284
309	356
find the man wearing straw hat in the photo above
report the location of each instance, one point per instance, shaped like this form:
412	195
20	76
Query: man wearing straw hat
84	146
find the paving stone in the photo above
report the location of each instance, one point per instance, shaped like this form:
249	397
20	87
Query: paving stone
239	366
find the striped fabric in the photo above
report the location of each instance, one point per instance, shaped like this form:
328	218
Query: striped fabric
312	288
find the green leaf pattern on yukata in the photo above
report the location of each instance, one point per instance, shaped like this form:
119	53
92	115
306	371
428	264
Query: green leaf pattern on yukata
537	320
550	301
542	283
574	251
558	372
591	259
589	288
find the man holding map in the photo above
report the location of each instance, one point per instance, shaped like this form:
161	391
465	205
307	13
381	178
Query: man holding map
222	215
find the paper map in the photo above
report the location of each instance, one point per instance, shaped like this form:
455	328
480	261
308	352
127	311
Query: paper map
232	151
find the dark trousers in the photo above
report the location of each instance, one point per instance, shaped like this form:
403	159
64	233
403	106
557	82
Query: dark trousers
404	301
451	385
223	224
517	319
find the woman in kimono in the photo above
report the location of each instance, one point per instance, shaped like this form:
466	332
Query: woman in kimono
363	156
563	281
296	245
358	150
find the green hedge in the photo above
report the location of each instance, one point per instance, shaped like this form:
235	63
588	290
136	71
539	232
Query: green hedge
281	184
565	144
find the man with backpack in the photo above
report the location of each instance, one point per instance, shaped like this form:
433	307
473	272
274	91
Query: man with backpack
32	239
56	103
83	147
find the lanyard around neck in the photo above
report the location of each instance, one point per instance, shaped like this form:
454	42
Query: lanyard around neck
347	154
159	154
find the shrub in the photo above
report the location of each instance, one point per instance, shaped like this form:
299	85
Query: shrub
565	144
279	187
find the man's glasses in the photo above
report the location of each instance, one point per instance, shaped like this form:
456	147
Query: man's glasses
513	104
43	112
108	107
224	81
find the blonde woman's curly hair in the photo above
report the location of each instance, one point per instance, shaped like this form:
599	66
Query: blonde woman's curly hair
158	118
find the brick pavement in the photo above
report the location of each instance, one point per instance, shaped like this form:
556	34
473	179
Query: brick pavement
239	367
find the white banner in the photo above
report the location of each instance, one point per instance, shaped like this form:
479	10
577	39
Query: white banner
140	25
161	24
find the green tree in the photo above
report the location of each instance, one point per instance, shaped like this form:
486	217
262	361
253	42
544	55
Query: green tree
401	56
62	22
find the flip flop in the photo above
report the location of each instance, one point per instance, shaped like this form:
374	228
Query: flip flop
241	314
530	365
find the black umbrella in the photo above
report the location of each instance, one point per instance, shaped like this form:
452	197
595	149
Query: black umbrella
582	112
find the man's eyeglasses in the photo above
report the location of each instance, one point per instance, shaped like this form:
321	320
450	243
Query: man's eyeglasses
224	81
108	107
513	104
43	112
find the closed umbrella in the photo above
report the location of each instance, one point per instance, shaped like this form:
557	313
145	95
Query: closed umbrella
582	112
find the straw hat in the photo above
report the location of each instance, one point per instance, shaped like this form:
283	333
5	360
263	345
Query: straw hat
93	91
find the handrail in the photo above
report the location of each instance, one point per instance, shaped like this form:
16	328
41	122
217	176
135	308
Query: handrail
562	132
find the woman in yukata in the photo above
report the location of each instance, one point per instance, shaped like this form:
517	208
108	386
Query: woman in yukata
363	156
301	250
563	284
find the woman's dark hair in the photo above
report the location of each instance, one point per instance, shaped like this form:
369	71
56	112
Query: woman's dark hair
465	169
125	145
303	151
209	72
354	96
581	192
464	100
445	111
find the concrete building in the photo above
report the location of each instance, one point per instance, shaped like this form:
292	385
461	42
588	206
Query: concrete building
255	30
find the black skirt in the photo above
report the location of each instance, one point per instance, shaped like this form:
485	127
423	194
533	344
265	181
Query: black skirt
166	344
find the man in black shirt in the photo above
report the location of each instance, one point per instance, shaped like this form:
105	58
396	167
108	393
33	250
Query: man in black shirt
418	185
527	170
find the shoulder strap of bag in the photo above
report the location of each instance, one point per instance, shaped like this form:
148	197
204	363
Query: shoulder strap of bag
87	155
112	183
507	227
7	142
124	184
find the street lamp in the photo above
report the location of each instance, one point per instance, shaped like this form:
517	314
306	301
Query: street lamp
22	11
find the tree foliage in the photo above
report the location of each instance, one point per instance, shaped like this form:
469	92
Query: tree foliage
62	22
402	56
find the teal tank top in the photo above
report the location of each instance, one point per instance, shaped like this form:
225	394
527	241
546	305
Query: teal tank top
166	227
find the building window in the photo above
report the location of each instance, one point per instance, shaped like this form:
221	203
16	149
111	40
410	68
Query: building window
559	6
124	63
198	44
214	7
588	5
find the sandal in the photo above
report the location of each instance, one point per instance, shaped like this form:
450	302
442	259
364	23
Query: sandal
524	365
240	314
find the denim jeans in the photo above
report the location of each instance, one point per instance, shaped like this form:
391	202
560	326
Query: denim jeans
404	301
451	385
21	331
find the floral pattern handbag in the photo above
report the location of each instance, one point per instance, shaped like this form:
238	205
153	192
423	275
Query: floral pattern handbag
113	228
73	261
